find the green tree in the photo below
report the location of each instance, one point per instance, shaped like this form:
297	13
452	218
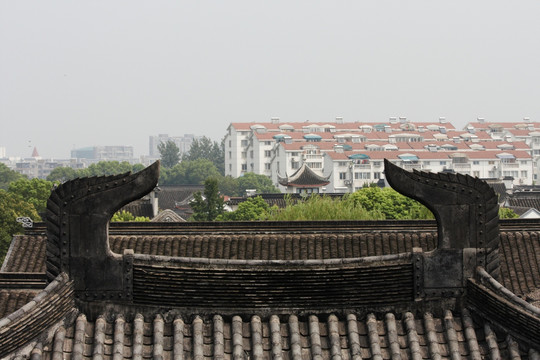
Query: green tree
261	183
254	208
7	176
228	186
189	172
318	207
12	206
62	174
209	207
124	215
102	168
107	168
170	154
205	148
390	203
33	191
506	213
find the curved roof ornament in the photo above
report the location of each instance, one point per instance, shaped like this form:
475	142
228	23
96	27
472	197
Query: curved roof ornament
78	214
466	209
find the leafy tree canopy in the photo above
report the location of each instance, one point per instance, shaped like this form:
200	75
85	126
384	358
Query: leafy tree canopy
390	203
189	172
7	175
170	154
12	206
254	208
261	183
318	207
124	215
102	168
205	148
506	213
209	207
62	174
107	168
33	191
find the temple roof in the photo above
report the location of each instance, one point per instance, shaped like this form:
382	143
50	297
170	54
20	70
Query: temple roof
304	177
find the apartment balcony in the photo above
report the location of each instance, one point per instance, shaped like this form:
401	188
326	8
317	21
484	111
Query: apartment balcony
510	166
363	166
410	167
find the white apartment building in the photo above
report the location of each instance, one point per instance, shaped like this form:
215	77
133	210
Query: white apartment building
351	171
352	154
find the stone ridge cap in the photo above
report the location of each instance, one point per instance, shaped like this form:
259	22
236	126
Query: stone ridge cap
336	261
41	296
14	243
495	286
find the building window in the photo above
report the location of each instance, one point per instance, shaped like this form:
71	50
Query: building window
244	167
315	165
342	175
295	164
362	175
230	155
230	143
244	143
267	166
442	163
513	174
244	154
376	175
524	173
230	167
523	162
267	153
476	173
251	154
427	163
476	162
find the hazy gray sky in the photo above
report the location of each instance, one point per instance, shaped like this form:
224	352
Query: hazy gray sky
76	74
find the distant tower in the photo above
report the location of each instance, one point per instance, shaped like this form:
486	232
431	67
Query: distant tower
35	153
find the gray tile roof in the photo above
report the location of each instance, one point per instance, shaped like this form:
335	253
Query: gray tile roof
450	335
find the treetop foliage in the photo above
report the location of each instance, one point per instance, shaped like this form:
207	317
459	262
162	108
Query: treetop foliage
102	168
170	154
205	148
209	207
33	191
254	208
124	215
189	172
238	186
7	176
12	206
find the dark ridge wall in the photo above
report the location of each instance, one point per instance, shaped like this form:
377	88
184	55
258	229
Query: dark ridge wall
504	313
278	287
47	308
